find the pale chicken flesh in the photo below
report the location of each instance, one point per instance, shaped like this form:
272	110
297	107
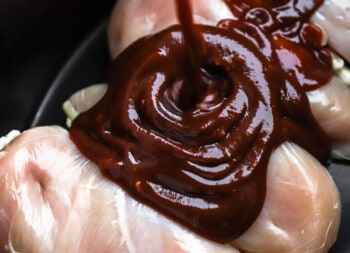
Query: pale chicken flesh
52	199
133	19
330	106
55	200
334	17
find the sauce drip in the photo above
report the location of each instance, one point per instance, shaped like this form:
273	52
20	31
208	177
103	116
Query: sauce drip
189	95
203	161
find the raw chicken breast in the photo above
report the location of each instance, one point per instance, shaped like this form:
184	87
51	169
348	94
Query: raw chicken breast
334	17
133	19
330	105
301	201
302	208
52	199
83	100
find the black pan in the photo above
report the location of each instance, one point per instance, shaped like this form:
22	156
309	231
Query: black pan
89	65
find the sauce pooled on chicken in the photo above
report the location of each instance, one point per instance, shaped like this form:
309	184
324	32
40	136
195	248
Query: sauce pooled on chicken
193	113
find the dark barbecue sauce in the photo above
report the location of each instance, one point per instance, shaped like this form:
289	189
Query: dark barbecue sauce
195	145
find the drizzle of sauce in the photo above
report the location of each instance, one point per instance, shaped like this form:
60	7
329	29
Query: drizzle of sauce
189	95
190	132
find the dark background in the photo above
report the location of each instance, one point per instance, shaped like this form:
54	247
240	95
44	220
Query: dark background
36	38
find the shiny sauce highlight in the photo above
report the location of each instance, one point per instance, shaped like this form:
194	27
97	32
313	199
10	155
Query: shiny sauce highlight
193	113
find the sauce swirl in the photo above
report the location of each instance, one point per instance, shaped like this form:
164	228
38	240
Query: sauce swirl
201	159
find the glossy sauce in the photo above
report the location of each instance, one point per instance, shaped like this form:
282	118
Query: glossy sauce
195	147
